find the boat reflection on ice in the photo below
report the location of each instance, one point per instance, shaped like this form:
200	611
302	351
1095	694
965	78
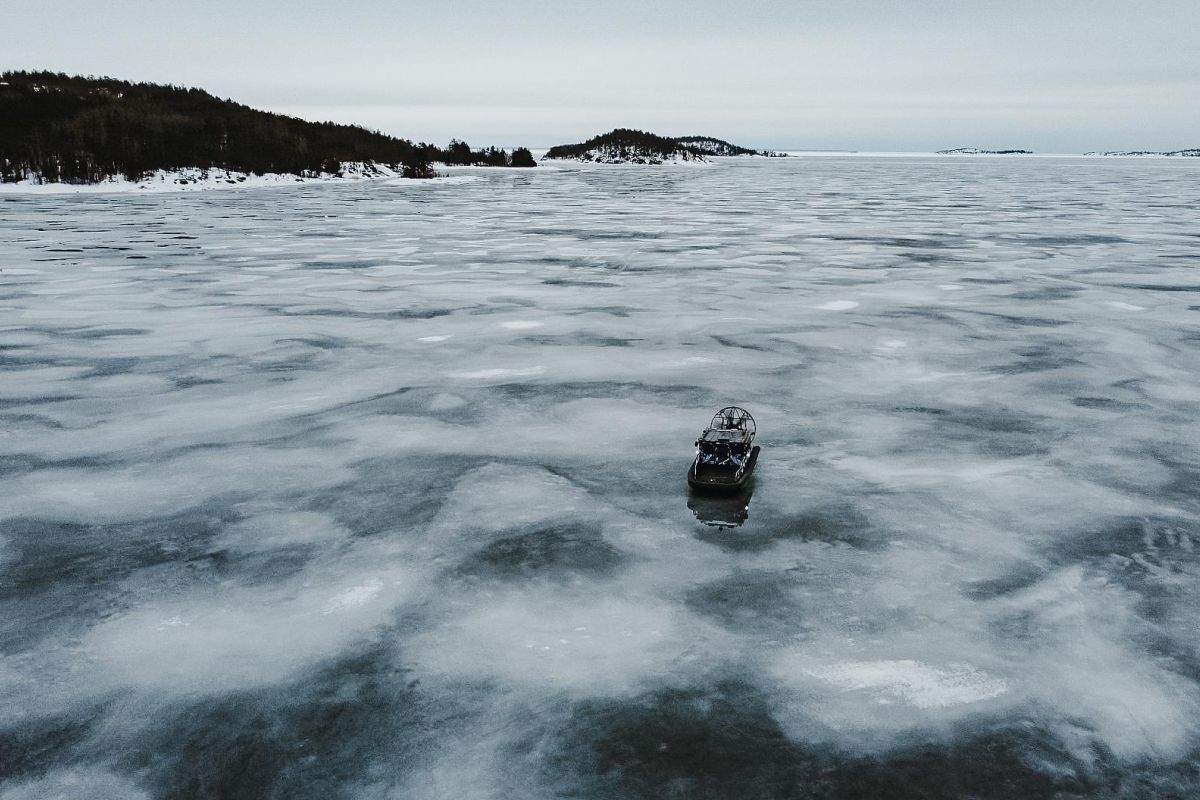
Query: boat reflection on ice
721	511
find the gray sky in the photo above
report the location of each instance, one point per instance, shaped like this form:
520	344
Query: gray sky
1051	75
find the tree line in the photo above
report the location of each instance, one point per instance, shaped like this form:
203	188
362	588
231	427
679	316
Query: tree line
625	142
82	130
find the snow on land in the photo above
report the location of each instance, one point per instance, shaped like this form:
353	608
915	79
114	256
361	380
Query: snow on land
1189	153
637	155
193	179
339	465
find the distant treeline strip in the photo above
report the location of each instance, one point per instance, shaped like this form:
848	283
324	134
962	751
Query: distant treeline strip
83	130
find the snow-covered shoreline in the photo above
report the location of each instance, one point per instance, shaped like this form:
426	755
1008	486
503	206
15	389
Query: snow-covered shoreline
195	179
639	156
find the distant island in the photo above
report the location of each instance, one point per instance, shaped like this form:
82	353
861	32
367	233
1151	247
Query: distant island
627	146
975	151
1193	152
56	128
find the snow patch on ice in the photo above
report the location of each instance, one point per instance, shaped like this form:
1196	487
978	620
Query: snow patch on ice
241	637
74	783
912	682
690	361
446	402
353	597
497	372
574	642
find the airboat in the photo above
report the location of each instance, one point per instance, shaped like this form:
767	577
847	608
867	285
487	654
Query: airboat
725	452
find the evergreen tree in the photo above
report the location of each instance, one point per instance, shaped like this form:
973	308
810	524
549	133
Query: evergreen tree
82	130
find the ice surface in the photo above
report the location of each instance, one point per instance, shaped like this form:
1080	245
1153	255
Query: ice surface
75	784
912	682
367	490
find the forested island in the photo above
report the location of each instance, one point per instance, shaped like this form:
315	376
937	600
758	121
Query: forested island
56	128
627	146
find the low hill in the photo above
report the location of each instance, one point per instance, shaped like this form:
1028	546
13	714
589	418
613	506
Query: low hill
627	146
57	128
715	147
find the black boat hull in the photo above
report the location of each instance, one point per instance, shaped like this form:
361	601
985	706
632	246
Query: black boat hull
718	481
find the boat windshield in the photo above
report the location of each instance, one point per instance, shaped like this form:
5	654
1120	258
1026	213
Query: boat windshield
717	435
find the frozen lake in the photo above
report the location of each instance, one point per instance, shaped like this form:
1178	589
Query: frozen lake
377	490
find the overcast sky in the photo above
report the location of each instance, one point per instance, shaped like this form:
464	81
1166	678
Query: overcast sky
1048	75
